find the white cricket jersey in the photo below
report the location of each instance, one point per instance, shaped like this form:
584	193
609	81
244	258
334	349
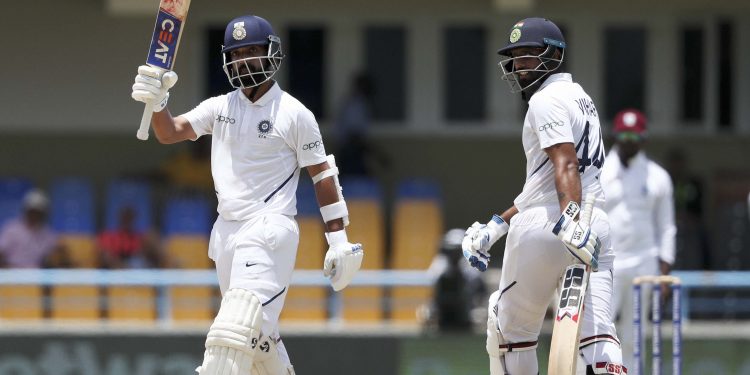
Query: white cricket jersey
560	112
641	210
257	150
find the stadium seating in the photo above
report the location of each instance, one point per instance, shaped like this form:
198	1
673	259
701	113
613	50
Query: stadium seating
186	215
75	302
21	302
12	190
417	228
128	193
186	226
365	202
131	303
308	303
73	216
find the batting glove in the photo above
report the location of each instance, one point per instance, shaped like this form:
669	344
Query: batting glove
343	259
152	86
579	239
479	238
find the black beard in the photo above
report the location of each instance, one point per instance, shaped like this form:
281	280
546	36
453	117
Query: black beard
529	78
249	80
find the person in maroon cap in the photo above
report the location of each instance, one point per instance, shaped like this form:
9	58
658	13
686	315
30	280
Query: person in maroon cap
641	213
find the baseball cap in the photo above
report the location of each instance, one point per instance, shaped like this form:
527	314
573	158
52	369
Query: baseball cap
35	200
630	121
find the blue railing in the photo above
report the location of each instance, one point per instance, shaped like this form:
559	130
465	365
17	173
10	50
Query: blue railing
163	279
692	280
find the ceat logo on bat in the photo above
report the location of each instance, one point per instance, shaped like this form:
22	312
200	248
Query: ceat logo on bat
164	41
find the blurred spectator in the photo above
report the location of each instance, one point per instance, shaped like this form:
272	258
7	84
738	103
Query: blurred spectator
28	241
123	247
639	202
692	237
458	288
355	152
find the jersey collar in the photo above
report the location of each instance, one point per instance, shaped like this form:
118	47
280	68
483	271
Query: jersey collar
639	159
557	77
270	95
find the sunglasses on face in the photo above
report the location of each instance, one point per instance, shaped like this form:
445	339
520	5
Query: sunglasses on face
628	137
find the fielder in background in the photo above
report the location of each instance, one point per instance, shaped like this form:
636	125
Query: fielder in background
640	205
261	138
563	146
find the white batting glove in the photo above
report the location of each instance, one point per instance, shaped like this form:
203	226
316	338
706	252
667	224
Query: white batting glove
479	238
343	259
577	235
152	86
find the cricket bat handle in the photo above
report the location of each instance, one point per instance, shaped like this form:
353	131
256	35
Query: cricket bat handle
145	122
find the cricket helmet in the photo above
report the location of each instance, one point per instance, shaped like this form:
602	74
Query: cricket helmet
537	33
247	31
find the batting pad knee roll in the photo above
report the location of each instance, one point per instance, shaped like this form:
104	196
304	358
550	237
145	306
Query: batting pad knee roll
232	340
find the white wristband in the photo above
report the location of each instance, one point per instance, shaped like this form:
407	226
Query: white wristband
160	106
330	172
334	211
498	225
336	237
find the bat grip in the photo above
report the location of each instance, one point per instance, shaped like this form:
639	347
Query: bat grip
588	207
145	122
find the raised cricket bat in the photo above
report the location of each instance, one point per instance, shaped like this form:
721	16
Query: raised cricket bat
170	22
563	352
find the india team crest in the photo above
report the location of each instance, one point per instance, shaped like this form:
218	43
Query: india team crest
239	32
515	35
264	127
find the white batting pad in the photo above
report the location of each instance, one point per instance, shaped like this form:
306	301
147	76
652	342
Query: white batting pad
494	337
233	338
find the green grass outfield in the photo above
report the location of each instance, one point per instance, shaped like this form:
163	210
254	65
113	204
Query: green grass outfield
465	355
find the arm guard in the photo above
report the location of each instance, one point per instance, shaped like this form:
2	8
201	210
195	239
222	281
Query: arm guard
336	210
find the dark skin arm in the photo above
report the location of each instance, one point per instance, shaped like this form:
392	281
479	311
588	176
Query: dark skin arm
509	213
325	192
567	179
170	129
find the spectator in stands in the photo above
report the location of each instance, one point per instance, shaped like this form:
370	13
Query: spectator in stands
640	206
458	288
124	247
28	241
